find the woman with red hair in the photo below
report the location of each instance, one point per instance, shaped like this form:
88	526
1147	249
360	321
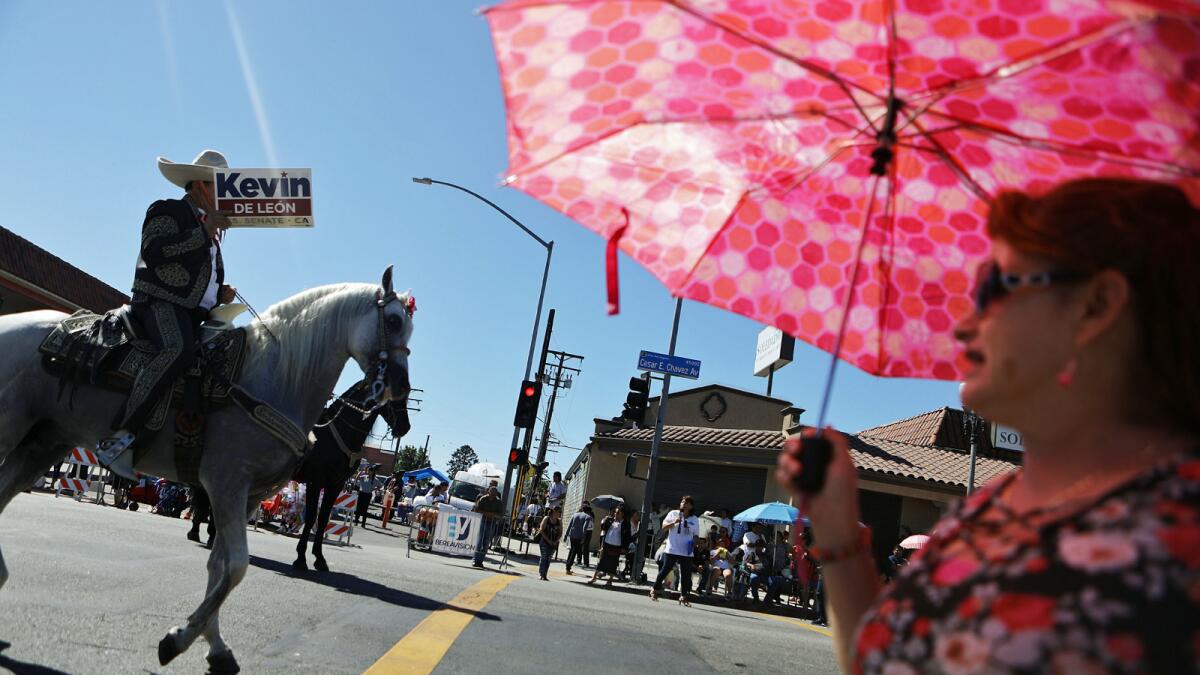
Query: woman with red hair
1086	338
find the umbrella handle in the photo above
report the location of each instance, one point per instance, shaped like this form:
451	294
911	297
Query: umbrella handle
815	454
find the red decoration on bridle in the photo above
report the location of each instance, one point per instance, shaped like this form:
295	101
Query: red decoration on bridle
411	305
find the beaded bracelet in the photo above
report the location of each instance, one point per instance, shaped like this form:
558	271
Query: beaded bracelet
862	543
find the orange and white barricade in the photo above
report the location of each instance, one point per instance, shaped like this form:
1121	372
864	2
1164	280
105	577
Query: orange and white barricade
77	485
343	508
85	458
339	531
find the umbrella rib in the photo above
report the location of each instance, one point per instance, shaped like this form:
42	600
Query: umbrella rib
954	165
813	68
845	319
889	230
826	113
1013	138
1027	62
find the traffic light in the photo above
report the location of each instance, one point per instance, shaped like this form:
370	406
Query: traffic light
517	456
527	404
637	400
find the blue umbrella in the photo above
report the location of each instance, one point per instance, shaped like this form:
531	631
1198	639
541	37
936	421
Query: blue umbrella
771	513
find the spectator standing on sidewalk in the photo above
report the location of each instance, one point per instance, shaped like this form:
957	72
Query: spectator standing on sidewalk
577	529
365	486
635	527
558	491
614	538
492	509
682	528
547	536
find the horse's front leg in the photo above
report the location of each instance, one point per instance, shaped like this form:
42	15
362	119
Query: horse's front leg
311	498
322	522
227	566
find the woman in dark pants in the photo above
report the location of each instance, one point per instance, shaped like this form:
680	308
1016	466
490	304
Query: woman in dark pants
681	528
547	537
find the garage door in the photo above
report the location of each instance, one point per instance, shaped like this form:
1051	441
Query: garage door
713	486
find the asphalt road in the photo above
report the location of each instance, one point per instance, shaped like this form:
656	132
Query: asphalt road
93	589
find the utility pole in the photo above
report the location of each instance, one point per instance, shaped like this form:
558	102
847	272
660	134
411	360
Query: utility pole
639	559
563	357
528	435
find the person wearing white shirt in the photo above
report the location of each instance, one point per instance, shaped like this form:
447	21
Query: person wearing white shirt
558	490
681	528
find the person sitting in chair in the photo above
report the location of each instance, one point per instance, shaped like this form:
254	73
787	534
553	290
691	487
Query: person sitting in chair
179	278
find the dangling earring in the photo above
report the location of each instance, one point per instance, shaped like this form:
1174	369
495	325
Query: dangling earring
1067	375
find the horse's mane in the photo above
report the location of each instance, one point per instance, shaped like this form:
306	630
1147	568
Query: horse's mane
303	338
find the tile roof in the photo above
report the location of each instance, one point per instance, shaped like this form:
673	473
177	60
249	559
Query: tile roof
918	461
942	427
42	269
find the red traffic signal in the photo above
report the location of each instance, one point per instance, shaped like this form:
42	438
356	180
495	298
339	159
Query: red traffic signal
527	404
517	456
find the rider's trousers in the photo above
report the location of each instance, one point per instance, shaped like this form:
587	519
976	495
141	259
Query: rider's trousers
173	330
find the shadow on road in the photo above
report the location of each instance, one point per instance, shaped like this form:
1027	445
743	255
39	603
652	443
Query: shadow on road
22	668
356	585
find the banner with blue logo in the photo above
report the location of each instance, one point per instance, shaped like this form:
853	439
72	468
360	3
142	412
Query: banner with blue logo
457	531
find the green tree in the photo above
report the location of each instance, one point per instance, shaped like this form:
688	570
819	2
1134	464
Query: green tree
411	458
461	460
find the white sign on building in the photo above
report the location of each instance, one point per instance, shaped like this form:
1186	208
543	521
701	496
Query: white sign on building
1007	438
775	350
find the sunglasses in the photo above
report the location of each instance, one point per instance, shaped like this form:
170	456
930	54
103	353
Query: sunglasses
992	284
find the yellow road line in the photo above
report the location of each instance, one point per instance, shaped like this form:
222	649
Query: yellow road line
797	622
423	648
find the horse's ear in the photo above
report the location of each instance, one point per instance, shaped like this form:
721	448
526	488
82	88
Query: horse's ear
387	281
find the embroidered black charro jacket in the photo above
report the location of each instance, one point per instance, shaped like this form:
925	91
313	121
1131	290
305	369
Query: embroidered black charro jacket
175	260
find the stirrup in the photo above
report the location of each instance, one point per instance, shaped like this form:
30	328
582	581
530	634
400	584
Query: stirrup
114	454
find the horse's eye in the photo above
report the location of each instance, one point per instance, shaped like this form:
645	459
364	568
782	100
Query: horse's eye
393	322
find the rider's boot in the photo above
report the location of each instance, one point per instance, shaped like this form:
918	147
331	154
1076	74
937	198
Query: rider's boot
115	454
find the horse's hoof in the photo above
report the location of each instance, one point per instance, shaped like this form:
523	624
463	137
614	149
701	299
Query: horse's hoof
319	563
168	649
300	565
223	663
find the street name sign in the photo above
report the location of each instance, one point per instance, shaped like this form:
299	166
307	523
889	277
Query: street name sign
676	366
265	197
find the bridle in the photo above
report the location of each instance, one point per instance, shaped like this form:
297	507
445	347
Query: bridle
379	365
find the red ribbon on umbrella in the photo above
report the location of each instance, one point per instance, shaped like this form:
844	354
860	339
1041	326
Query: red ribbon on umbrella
610	265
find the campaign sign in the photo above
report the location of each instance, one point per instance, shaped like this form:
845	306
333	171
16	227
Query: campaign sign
456	532
265	197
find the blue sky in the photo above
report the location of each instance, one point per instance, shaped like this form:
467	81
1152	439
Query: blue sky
367	94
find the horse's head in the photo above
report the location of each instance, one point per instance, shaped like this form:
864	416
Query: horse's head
380	345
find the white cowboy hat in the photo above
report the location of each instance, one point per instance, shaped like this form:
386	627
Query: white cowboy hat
201	168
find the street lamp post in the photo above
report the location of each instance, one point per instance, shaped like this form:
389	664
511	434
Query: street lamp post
537	317
972	425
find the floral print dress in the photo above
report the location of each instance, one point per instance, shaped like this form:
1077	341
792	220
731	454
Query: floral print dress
1111	587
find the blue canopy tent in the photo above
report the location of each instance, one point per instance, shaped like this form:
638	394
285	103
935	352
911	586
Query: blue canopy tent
427	472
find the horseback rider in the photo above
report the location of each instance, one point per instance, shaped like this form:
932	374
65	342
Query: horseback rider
179	278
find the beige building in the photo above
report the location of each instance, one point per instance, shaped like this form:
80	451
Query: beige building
720	445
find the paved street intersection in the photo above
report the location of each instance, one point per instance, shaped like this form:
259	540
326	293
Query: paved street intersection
93	589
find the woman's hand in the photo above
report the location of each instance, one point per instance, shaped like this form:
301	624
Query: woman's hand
834	510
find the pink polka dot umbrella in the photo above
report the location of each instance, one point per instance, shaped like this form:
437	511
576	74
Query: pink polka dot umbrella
825	166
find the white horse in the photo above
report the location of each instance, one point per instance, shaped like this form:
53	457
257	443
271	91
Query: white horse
295	354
